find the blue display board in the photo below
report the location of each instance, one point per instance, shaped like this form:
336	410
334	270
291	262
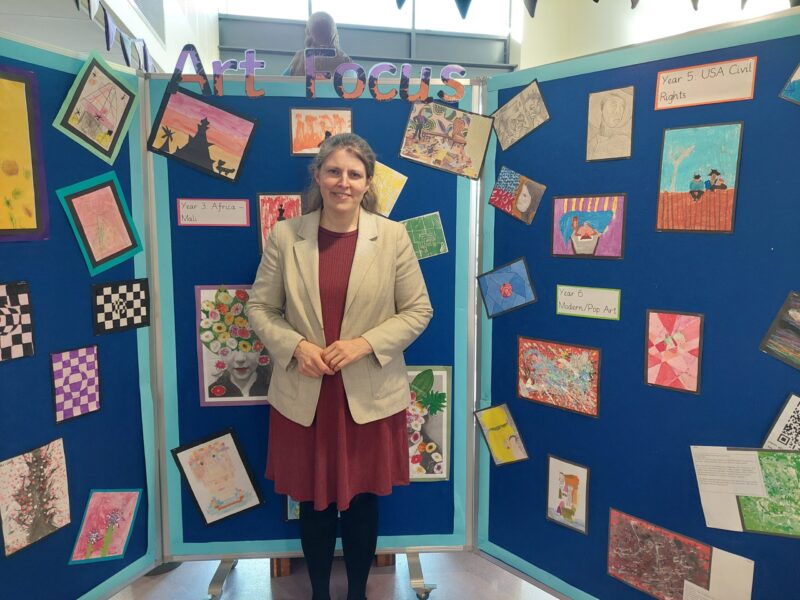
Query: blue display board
422	514
112	448
638	447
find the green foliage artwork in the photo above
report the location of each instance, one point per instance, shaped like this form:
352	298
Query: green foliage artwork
779	512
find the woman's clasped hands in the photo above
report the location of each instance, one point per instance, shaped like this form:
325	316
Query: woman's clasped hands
313	361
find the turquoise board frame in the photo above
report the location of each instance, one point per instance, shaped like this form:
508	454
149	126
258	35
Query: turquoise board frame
123	125
777	26
128	539
75	188
173	539
20	50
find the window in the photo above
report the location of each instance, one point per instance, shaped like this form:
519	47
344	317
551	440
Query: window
374	13
485	17
273	9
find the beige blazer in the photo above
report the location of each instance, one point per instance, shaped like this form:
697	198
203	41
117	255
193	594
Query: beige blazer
387	303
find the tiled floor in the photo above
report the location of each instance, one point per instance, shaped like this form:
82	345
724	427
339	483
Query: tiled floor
458	575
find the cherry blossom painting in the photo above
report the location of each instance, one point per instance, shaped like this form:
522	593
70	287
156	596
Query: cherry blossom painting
106	527
674	345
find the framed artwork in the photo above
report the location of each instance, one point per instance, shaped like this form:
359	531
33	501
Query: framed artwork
567	493
387	184
233	365
699	175
76	382
446	138
519	116
654	560
291	510
589	226
312	126
24	213
220	480
791	91
273	208
98	214
506	288
501	435
785	431
120	305
673	349
28	516
783	338
212	140
565	376
106	527
427	235
777	513
516	195
98	109
16	321
428	418
609	126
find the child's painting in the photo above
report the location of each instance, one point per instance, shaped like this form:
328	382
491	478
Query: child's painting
312	126
673	350
791	91
76	382
387	184
699	175
98	109
428	423
427	235
561	375
516	195
777	513
519	116
654	560
501	435
291	510
567	493
23	194
192	131
589	226
273	208
785	432
106	527
610	124
218	476
506	288
16	321
446	138
783	338
34	496
234	367
99	216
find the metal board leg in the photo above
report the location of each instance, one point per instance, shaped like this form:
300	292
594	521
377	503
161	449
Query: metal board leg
418	584
223	570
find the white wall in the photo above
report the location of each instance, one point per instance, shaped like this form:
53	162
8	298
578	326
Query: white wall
563	29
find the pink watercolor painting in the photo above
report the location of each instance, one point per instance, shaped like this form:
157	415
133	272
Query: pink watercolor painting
273	208
106	526
674	346
102	223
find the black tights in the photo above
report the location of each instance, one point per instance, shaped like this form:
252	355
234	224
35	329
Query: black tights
359	538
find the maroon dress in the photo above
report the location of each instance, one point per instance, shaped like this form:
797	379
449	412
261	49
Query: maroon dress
335	458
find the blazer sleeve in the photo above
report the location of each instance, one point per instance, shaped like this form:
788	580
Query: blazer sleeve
265	309
413	308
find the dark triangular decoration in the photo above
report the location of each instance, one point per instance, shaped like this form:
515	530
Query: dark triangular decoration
463	7
743	3
634	4
531	6
695	3
400	3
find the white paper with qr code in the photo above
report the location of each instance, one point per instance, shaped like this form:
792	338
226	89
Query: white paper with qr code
785	433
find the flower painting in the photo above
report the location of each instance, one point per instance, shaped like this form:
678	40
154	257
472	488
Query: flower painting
589	226
312	126
234	365
428	423
674	344
107	525
561	375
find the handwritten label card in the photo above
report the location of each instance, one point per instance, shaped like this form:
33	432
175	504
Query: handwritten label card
711	83
213	212
589	302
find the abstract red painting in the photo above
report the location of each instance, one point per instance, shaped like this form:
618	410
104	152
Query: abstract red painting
673	348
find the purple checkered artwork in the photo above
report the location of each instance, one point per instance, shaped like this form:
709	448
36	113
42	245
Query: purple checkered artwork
16	322
76	382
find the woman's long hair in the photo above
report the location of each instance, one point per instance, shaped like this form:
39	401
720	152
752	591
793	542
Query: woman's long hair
358	147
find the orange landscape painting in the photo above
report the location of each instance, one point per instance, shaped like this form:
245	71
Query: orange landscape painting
310	127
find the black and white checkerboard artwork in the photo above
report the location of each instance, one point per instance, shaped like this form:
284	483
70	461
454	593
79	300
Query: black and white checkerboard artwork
16	322
120	305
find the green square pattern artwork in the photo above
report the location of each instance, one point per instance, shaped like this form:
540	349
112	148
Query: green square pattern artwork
779	512
427	235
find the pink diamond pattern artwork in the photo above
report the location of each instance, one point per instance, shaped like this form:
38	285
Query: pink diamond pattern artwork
674	345
76	382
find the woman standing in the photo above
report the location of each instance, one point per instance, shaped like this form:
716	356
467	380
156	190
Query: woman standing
337	298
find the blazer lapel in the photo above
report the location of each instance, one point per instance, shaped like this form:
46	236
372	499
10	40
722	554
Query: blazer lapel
306	252
366	251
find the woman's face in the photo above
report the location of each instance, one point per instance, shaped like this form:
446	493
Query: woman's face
524	199
241	365
342	181
613	111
